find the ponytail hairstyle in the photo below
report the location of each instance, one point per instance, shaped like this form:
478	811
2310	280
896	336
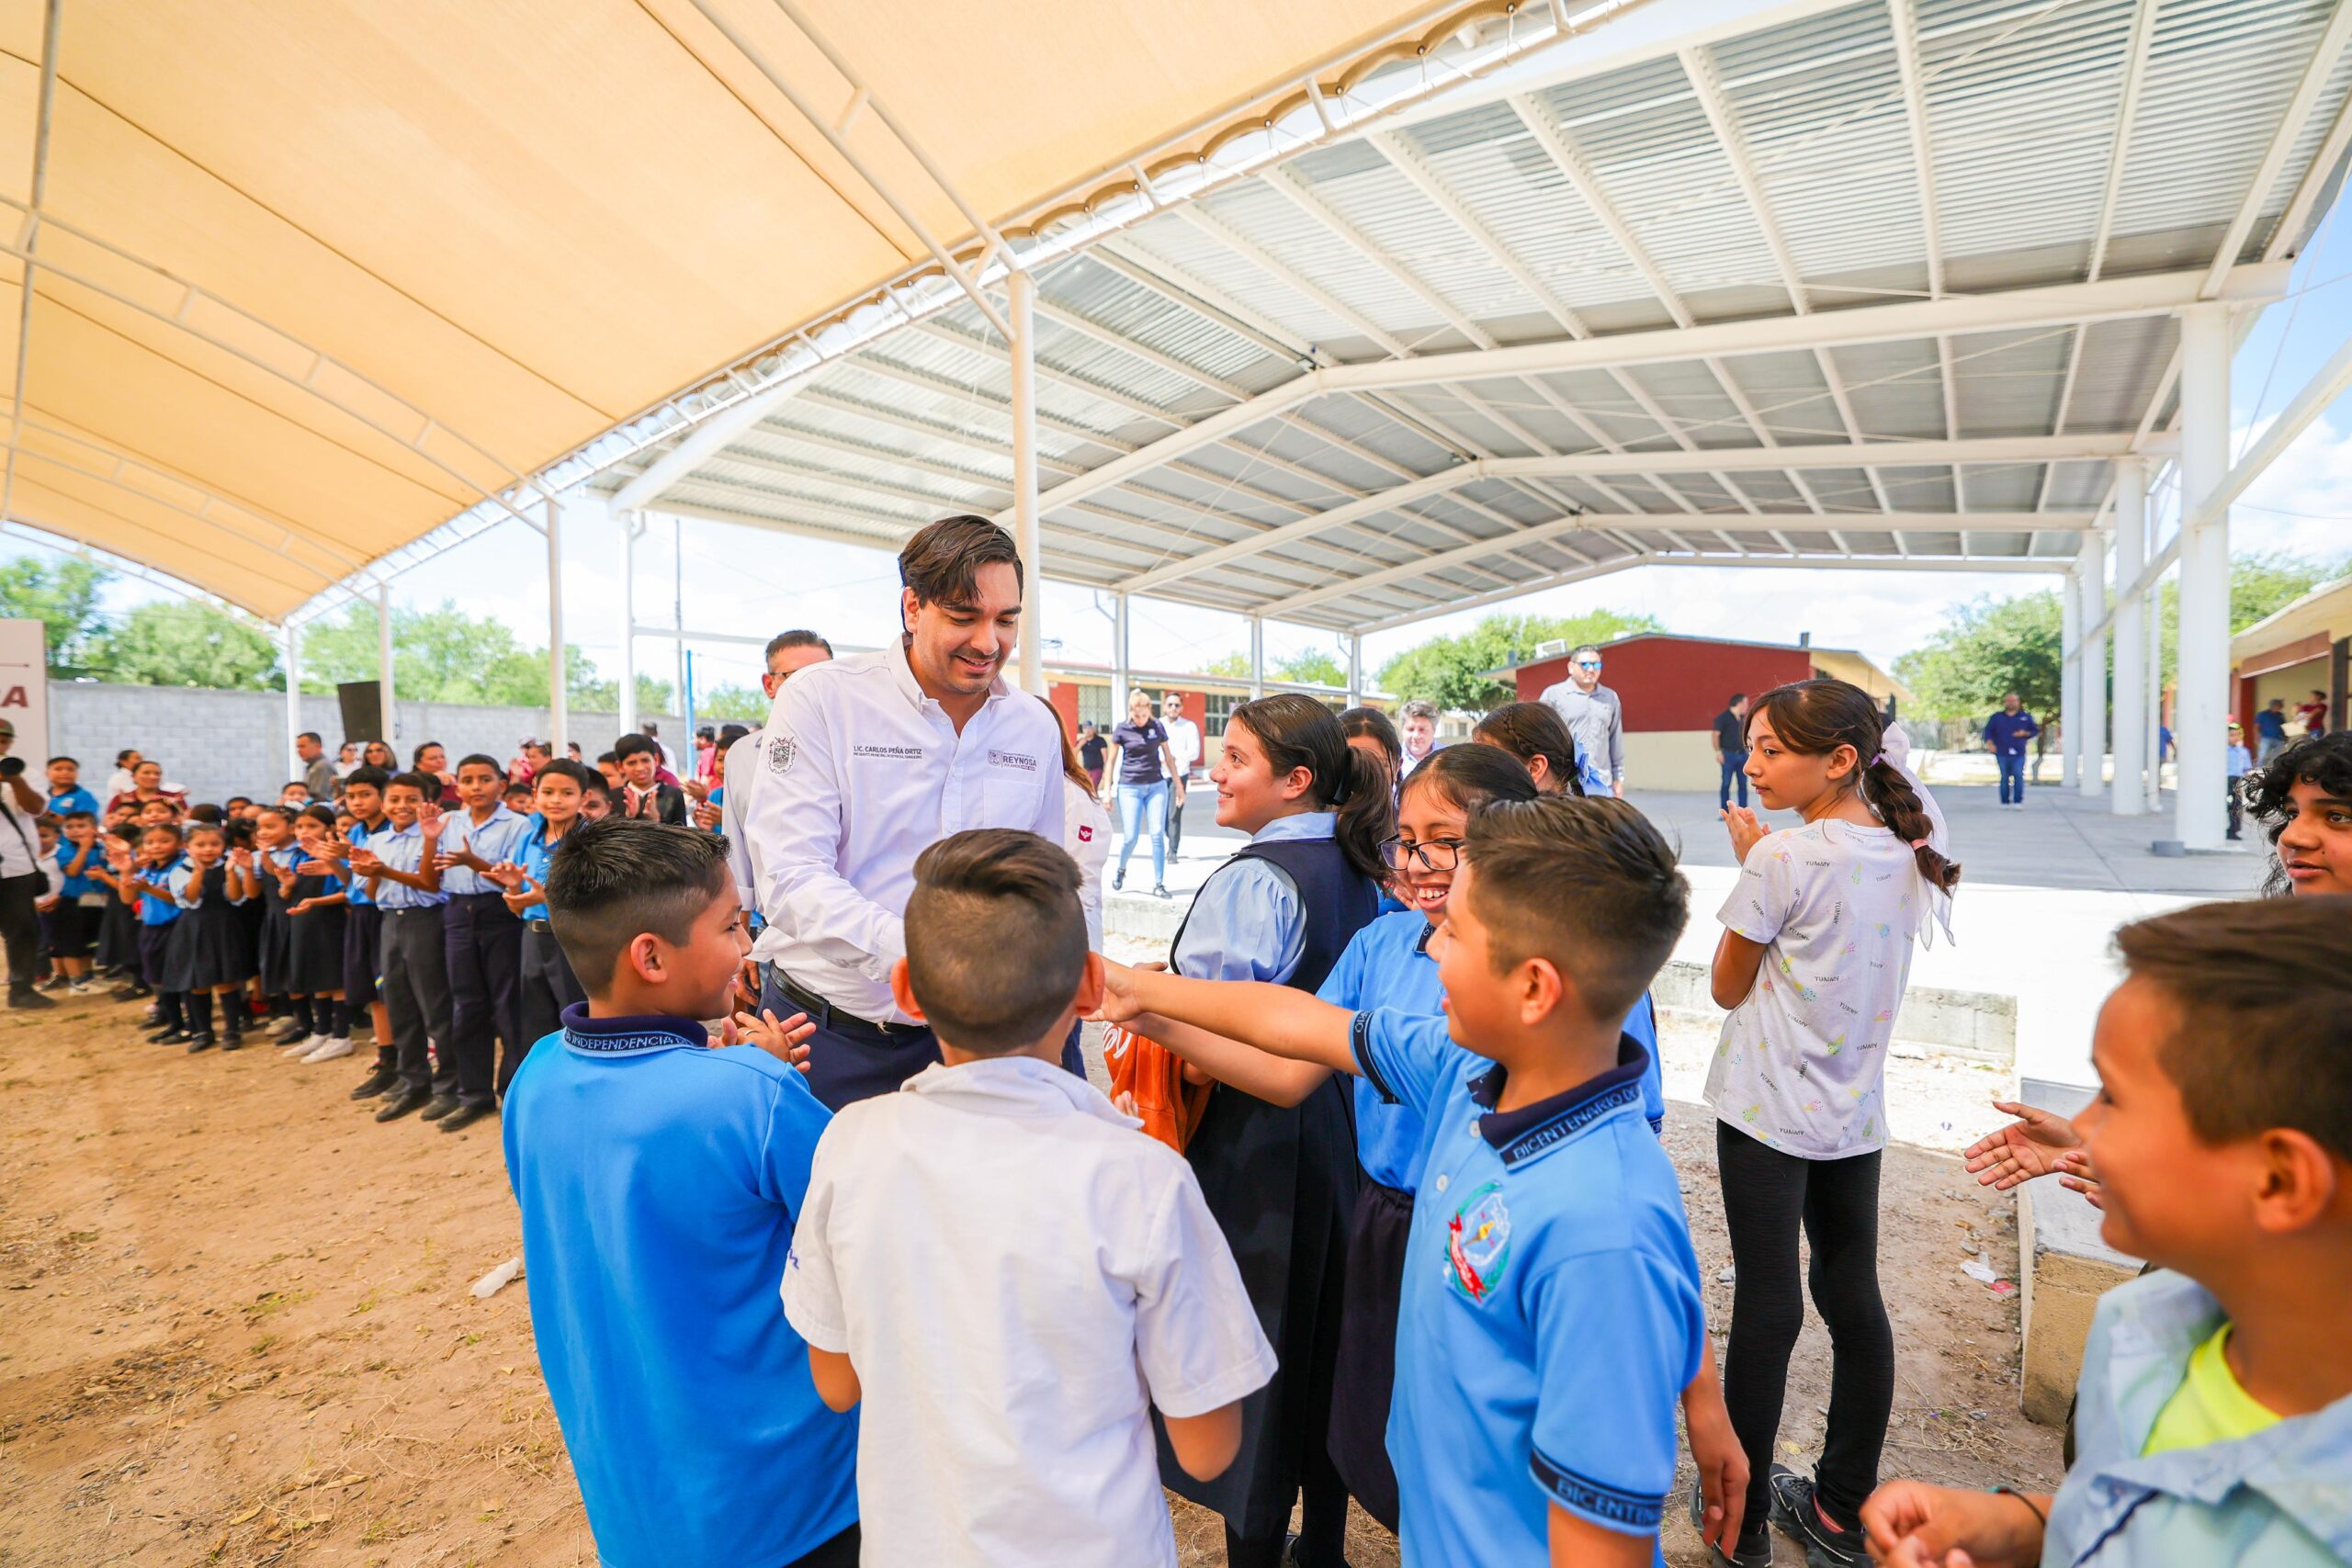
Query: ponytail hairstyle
1814	718
1358	723
1528	730
1299	732
1474	777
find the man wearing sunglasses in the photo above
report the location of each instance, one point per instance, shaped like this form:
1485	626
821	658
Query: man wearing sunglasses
1594	719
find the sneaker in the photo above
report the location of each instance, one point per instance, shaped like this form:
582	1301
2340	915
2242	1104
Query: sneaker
441	1105
302	1047
465	1116
327	1047
399	1105
1798	1515
291	1032
1159	890
1752	1549
56	981
383	1079
83	987
1118	879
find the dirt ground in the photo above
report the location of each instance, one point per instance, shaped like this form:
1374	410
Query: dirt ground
235	1326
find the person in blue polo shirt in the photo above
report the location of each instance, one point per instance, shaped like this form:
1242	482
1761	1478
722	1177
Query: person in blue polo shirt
2005	734
1551	1316
659	1181
65	792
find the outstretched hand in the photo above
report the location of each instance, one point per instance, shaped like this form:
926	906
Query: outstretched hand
785	1040
2026	1148
1119	1003
521	896
1745	830
2075	1175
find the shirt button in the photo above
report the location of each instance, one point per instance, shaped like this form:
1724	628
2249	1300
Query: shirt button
1441	1182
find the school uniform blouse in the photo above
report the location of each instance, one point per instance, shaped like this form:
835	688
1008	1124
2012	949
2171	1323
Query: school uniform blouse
494	840
154	911
1247	923
1387	965
70	884
187	887
356	894
402	850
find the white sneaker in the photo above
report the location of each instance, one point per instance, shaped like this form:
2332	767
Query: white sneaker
336	1045
302	1047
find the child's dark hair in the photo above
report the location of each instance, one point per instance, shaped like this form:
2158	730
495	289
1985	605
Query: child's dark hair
370	777
426	784
565	767
1473	777
1528	730
206	813
2321	759
1296	731
78	816
481	759
996	938
2265	988
177	836
320	813
1587	885
1357	723
731	734
240	833
198	828
629	745
1814	718
611	881
280	812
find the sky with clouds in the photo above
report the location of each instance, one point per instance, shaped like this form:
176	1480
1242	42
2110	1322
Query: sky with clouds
746	581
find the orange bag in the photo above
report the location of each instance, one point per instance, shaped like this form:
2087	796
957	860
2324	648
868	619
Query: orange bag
1154	1076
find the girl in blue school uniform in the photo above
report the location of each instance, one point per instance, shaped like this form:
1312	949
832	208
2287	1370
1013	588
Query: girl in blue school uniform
142	879
1281	1180
548	984
315	914
209	952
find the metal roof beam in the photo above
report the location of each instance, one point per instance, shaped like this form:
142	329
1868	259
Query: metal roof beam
1905	16
1285	183
2291	129
1290	277
1402	158
825	398
1571	163
1699	66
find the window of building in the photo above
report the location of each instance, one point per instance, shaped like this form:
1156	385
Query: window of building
1094	706
1215	706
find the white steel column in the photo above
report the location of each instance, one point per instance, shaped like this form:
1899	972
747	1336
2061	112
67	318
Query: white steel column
558	719
2152	609
630	528
1118	660
1020	292
384	670
2203	681
2091	578
2070	675
1257	657
678	612
2131	797
1355	669
291	638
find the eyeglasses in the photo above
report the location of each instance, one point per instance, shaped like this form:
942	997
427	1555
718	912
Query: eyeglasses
1435	854
1587	663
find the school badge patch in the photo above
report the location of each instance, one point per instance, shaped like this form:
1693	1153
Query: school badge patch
1477	1243
781	751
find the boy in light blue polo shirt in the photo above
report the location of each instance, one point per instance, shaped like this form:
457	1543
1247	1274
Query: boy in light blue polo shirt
659	1179
1551	1317
2214	1420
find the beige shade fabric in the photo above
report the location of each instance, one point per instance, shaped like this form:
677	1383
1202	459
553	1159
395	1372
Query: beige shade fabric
313	276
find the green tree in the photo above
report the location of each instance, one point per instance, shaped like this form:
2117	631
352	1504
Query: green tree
63	597
1316	667
1231	665
186	642
723	705
1451	670
1989	647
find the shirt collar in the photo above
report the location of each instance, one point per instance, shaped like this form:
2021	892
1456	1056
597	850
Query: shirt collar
1534	1130
1304	824
1421	943
630	1036
2158	1321
1014	1085
502	813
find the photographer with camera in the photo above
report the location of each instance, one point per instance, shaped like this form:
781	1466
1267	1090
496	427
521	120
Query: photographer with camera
20	878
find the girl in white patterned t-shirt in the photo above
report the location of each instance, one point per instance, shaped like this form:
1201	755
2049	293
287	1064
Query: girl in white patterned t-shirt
1815	951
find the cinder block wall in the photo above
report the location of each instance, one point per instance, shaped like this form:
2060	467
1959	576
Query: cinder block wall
217	744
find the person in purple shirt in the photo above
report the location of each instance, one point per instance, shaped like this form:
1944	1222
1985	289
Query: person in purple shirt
2005	734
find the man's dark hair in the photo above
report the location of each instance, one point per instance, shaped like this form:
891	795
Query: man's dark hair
1736	696
795	639
312	736
731	734
426	784
606	757
76	760
943	559
373	778
479	760
996	939
610	882
629	745
1584	882
649	728
2265	1037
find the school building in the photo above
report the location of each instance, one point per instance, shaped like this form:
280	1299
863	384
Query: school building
2293	652
1672	687
1086	694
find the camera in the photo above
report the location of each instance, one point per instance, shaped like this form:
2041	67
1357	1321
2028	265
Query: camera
11	767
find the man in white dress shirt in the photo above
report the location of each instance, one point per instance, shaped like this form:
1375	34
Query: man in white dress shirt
788	652
867	761
1184	746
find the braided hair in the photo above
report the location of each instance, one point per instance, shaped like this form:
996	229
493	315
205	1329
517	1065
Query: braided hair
1814	718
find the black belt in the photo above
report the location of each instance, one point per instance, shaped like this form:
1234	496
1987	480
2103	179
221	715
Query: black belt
825	1015
535	925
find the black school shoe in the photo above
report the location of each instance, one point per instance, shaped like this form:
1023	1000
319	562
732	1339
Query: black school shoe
465	1116
384	1078
1798	1516
199	1040
174	1035
439	1106
1752	1549
399	1105
24	998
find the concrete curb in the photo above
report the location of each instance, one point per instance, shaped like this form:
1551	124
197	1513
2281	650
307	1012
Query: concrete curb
1980	1025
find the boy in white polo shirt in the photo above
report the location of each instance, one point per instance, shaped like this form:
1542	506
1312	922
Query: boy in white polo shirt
1003	1270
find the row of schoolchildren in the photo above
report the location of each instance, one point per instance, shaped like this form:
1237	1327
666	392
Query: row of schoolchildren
1482	1320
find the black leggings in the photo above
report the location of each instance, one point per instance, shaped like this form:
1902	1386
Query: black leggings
1767	1194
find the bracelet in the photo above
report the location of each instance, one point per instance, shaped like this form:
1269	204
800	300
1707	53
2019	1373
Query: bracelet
2013	1492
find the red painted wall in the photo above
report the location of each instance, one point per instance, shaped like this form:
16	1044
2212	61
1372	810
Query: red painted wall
1063	694
1675	683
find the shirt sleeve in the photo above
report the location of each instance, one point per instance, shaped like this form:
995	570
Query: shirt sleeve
1247	924
1344	986
1616	737
742	757
796	814
812	1288
1408	1057
1197	1338
1615	1331
1758	902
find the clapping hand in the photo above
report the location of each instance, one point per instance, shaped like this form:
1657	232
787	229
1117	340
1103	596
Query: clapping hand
695	788
1119	1003
506	874
243	859
522	895
1745	830
708	815
364	862
784	1041
2032	1146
